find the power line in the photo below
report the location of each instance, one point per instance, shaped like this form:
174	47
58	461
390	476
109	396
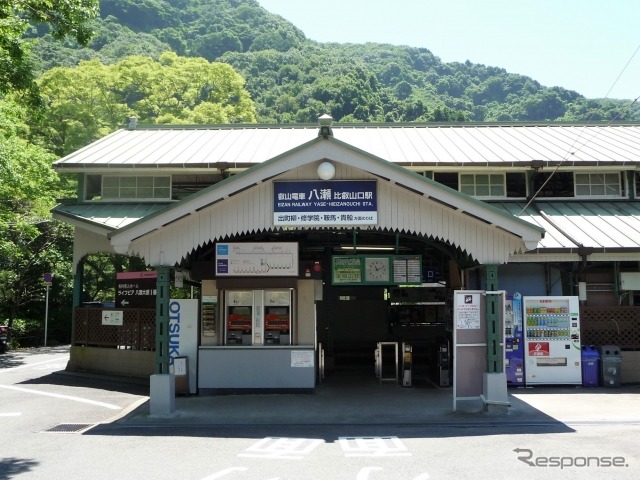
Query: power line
570	150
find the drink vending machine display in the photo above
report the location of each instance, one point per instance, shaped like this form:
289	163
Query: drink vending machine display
514	340
552	337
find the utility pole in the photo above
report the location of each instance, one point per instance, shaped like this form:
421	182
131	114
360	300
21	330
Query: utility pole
48	280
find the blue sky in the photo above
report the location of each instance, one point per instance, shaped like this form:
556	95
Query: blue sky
590	46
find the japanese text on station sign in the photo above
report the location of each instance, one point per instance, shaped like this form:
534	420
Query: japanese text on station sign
325	203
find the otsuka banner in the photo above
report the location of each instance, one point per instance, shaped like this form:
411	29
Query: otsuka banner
183	336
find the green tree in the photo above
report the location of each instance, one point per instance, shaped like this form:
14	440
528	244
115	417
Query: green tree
212	45
91	100
141	14
280	40
80	106
31	244
546	105
65	18
280	65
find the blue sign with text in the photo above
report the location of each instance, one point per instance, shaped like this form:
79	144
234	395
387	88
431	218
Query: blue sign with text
337	202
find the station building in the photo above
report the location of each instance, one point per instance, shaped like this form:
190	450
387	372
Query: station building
306	248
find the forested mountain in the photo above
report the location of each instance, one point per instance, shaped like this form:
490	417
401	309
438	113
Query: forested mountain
293	79
197	61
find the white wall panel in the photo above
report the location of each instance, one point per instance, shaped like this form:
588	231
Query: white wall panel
86	242
398	210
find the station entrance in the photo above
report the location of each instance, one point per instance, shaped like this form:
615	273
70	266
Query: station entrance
377	333
351	320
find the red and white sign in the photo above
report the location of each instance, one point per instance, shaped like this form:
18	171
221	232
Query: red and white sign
112	317
538	349
136	289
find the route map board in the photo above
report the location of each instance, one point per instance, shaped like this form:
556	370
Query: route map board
257	259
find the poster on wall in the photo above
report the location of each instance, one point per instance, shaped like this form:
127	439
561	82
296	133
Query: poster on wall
183	336
302	359
273	259
467	311
407	269
347	269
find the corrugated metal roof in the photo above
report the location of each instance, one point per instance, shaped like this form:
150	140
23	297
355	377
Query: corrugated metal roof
603	226
109	216
408	144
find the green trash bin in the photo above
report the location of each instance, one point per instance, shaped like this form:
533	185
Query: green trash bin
610	365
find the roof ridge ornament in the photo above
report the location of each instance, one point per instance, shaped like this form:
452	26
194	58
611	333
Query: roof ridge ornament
325	121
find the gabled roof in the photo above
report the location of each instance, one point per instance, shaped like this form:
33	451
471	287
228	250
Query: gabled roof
416	145
469	218
384	151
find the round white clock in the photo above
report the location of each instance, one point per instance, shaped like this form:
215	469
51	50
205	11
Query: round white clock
376	269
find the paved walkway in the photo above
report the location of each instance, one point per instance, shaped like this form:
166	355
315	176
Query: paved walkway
349	402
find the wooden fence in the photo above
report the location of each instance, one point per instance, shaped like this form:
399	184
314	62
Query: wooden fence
618	326
137	332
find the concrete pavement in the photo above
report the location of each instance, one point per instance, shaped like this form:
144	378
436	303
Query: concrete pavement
344	399
365	402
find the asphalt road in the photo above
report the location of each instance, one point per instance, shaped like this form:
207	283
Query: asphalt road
59	426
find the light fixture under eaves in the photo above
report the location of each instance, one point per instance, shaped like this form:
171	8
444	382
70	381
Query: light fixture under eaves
326	171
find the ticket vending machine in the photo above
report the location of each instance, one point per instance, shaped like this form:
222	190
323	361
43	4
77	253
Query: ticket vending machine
239	310
277	317
258	317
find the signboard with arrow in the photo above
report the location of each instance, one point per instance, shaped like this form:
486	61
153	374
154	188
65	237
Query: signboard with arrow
112	317
136	289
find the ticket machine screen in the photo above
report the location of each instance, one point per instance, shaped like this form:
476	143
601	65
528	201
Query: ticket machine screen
239	325
277	324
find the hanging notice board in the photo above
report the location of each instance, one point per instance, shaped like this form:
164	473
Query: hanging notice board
376	269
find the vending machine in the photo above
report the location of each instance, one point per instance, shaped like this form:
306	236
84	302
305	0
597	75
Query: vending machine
514	340
552	338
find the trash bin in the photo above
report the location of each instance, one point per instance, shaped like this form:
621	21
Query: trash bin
181	372
590	366
610	365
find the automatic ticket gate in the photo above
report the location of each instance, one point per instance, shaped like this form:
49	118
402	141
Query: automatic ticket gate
407	364
386	363
444	361
386	360
320	363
